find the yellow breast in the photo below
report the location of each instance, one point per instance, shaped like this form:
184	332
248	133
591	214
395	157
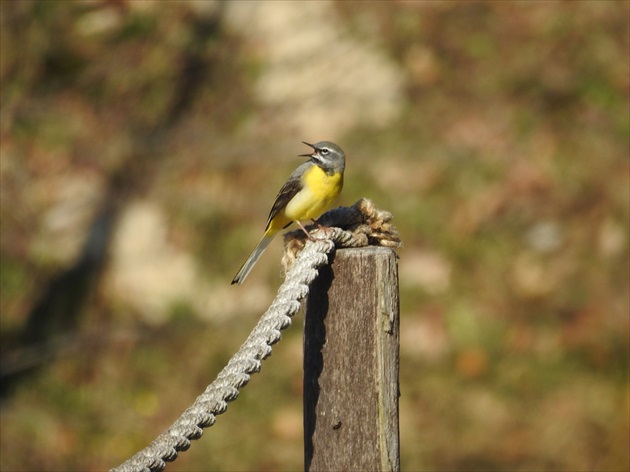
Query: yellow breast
318	194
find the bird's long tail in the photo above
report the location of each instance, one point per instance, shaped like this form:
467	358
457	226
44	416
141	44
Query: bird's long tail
253	258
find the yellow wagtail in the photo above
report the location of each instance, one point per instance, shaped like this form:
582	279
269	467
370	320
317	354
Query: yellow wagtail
310	190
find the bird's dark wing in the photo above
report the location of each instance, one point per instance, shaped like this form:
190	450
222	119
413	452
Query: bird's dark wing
290	188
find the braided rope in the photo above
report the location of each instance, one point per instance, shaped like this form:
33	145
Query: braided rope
303	270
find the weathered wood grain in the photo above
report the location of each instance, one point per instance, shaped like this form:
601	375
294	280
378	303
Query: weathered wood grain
351	364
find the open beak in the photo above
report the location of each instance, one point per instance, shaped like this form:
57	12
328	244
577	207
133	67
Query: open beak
311	154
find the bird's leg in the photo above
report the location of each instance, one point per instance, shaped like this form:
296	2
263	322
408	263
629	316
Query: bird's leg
308	235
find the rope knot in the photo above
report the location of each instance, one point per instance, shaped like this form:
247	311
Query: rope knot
359	225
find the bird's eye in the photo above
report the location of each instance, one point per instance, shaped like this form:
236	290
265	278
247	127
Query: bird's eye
324	151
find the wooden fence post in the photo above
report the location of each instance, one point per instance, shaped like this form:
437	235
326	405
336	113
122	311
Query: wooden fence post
351	364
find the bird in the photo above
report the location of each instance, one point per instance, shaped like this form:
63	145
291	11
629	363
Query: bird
309	191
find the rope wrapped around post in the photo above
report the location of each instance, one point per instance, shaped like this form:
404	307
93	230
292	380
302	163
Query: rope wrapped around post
353	226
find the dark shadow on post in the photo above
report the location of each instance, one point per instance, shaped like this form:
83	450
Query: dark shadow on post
314	339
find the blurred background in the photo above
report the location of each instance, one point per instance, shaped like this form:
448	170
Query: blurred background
144	141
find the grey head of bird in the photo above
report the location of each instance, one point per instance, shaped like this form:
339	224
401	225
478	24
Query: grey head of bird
327	155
